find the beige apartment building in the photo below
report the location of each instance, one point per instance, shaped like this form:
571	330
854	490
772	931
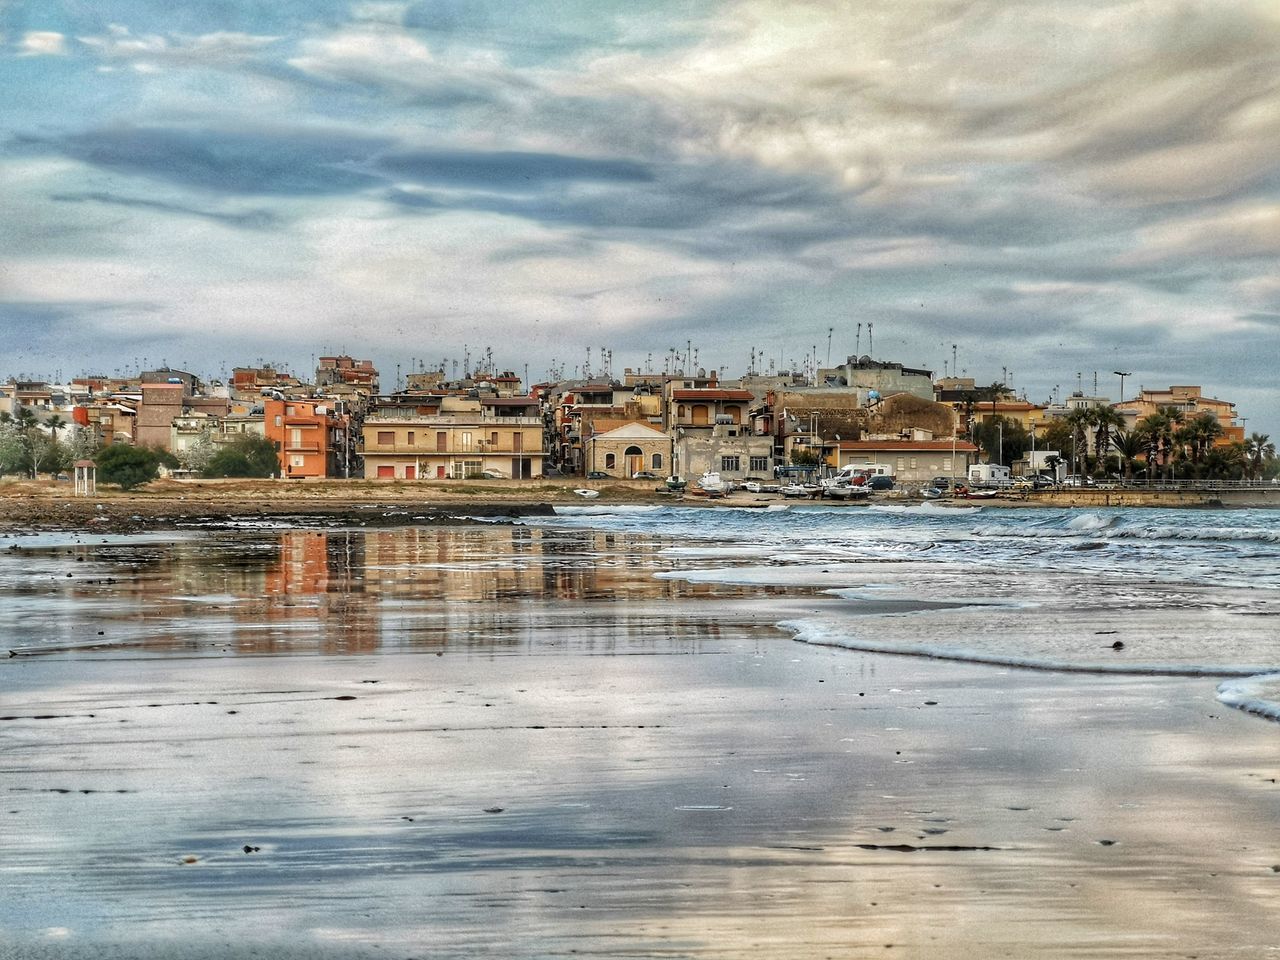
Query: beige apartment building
465	438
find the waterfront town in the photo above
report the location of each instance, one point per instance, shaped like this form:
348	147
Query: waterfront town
680	421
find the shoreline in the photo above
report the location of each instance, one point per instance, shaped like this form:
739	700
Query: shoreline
27	506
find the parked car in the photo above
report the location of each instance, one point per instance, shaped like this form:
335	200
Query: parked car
493	474
597	475
1037	481
1075	480
645	475
880	483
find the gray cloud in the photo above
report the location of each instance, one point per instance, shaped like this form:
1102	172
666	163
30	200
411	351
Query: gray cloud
258	219
507	171
296	161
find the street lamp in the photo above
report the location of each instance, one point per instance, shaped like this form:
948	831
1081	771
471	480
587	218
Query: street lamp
1122	375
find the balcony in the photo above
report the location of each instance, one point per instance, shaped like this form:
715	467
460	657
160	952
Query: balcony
302	448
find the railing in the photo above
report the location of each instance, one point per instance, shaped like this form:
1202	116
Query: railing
1172	485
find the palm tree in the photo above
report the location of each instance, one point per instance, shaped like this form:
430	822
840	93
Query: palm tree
1195	439
1226	463
1080	420
1129	444
1259	449
55	423
1153	429
1174	419
1105	420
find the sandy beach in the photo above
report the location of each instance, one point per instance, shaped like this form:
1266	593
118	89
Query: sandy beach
501	740
734	796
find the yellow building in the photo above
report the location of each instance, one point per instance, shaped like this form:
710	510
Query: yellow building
465	438
1192	402
623	448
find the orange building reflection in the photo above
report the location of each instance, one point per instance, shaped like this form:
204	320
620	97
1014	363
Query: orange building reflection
360	591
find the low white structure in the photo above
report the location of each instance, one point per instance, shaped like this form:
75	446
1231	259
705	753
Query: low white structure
86	478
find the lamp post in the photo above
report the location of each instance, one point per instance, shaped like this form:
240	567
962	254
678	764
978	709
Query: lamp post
1122	375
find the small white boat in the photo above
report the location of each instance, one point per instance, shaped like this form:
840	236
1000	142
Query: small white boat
676	483
712	483
793	490
587	494
843	491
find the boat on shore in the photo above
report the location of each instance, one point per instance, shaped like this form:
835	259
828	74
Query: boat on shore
844	491
712	483
676	483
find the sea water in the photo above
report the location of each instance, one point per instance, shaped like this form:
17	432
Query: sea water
1157	592
624	732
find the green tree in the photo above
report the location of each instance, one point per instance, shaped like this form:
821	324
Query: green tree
1002	439
83	444
128	466
1056	435
1105	422
13	451
248	456
55	423
1129	445
1259	449
1080	421
197	457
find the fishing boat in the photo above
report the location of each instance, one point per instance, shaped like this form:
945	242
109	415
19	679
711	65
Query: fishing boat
676	483
587	494
712	483
844	491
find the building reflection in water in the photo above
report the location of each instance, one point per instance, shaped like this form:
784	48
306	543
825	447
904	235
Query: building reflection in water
359	591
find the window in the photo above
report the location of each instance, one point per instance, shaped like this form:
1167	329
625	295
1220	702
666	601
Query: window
298	461
657	461
442	441
410	440
901	463
279	419
288	411
946	464
387	437
610	461
493	438
915	463
517	442
730	464
759	464
466	468
466	440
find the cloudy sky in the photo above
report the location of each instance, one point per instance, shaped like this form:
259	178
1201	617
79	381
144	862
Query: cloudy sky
1055	188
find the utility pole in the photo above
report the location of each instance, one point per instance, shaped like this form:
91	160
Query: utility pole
871	344
830	331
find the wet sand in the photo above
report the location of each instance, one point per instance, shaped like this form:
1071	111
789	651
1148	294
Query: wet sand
512	742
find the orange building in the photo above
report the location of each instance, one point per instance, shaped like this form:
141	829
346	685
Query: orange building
310	437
